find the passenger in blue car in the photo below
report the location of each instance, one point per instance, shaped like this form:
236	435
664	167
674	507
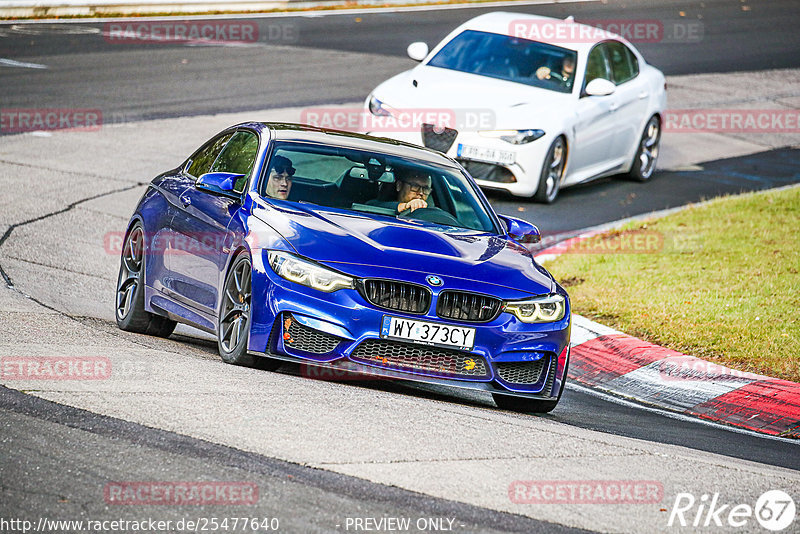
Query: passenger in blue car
413	188
280	178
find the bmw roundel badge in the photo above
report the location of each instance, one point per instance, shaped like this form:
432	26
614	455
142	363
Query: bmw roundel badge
435	281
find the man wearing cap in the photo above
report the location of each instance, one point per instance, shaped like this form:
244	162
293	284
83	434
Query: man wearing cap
279	182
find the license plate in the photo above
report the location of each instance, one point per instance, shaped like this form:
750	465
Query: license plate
488	155
440	335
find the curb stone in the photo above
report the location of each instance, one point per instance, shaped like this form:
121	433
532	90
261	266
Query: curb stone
609	360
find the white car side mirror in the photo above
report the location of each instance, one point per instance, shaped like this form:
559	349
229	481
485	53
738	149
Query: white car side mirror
417	51
600	87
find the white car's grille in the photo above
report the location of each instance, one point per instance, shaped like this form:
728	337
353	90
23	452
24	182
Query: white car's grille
440	139
488	171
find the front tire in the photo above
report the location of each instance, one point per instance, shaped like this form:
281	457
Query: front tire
521	404
130	313
552	172
644	162
233	324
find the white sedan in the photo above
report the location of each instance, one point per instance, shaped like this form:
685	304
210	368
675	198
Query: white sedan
528	104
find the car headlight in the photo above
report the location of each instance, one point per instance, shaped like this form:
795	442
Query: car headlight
515	137
307	273
538	310
376	107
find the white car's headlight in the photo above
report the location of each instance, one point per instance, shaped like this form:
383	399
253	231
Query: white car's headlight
515	137
376	107
537	310
307	273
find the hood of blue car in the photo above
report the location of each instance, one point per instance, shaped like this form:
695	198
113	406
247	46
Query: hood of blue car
364	245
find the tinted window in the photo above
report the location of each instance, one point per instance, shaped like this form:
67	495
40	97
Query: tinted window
367	182
238	156
596	66
624	66
203	159
509	58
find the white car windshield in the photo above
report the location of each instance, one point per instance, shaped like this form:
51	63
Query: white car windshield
374	183
509	58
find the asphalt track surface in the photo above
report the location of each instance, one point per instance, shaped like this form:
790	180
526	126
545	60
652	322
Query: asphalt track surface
303	500
148	81
291	65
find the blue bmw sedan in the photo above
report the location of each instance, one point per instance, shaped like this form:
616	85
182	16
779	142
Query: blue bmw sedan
332	249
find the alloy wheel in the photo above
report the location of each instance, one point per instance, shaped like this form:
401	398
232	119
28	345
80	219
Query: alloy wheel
130	272
648	151
555	168
235	311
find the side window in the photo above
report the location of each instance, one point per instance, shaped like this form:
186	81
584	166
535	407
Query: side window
596	66
633	60
624	66
203	158
238	156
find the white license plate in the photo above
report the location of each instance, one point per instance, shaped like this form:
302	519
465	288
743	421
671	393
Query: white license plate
441	335
489	155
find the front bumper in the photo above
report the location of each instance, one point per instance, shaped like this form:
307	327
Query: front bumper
341	331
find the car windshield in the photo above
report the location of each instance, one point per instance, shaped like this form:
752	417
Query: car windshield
509	58
373	183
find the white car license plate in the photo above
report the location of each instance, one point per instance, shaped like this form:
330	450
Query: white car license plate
489	155
441	335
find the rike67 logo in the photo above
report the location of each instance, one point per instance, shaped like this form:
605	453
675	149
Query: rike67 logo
774	510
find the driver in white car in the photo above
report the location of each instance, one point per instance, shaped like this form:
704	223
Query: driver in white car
413	188
565	76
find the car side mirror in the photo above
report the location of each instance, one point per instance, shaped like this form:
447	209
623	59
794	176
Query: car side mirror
219	183
518	229
417	51
600	87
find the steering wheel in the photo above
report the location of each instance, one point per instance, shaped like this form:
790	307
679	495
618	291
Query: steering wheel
432	214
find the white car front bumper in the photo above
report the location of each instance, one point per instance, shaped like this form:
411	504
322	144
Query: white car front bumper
494	163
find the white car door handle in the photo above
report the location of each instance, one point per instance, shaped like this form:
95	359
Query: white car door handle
643	94
613	106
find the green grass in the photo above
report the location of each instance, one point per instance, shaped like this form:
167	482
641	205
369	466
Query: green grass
723	285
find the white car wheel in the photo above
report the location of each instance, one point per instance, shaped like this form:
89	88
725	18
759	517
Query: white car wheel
552	172
644	163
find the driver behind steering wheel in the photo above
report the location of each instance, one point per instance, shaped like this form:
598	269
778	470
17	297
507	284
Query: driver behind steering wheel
413	188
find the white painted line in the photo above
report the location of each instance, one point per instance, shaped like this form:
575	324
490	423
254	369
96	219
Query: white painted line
314	13
584	330
185	42
672	415
580	335
21	64
651	384
63	30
